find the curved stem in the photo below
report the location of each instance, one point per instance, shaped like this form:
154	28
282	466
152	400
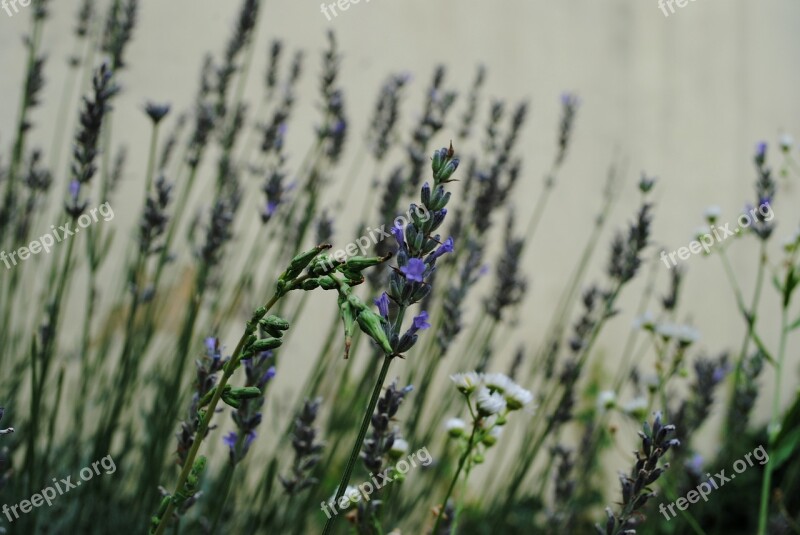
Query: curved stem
206	420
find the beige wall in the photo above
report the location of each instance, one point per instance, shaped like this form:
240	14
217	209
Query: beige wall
684	98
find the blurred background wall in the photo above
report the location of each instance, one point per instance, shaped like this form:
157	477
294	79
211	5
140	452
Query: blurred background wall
684	98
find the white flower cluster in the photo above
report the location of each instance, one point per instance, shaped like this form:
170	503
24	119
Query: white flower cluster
685	335
636	408
496	392
491	397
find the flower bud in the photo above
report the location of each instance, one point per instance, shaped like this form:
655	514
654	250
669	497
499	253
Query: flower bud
358	263
265	344
372	324
246	392
301	261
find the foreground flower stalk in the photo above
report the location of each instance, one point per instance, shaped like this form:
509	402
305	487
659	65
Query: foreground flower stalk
193	467
490	398
416	256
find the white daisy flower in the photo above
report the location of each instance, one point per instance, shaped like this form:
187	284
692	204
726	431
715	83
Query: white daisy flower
399	447
667	331
466	382
351	493
701	231
517	397
455	427
686	335
497	381
787	142
637	407
490	402
712	213
494	434
646	321
606	399
651	381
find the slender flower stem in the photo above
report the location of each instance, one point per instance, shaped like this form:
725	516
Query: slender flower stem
21	130
206	420
461	463
351	463
774	426
151	160
749	314
64	108
225	489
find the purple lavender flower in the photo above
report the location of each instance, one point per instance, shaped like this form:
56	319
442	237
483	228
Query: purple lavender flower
269	210
268	375
398	235
446	247
251	436
408	340
761	150
719	374
213	350
230	439
695	464
420	322
253	367
382	303
414	270
570	99
156	112
74	190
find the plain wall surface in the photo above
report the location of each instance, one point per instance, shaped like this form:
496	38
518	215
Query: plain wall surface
684	97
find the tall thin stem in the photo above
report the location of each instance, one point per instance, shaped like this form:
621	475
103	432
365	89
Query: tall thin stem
774	427
461	463
206	420
362	433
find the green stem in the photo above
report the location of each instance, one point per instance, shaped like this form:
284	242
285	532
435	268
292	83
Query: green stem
461	463
773	429
22	130
748	314
151	161
226	490
206	420
362	433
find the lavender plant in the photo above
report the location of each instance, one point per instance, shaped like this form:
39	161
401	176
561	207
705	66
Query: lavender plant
117	342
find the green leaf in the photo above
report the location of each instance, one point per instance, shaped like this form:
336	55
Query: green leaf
785	448
763	348
777	283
